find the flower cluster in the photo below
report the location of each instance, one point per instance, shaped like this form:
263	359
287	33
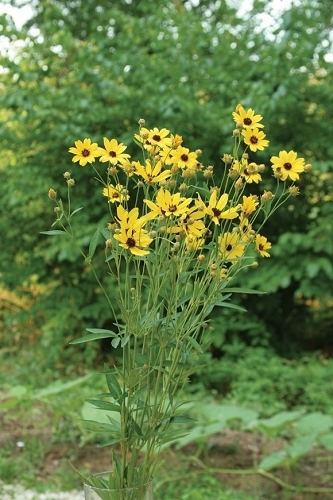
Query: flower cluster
181	202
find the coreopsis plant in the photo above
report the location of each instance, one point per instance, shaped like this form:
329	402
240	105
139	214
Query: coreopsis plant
175	240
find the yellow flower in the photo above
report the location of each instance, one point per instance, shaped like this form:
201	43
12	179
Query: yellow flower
231	246
183	158
249	205
113	152
116	194
215	209
85	152
248	171
158	137
151	174
192	243
130	219
128	167
245	229
167	204
288	165
191	223
255	139
246	118
136	240
262	245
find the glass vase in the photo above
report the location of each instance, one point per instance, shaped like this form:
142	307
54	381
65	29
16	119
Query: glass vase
144	492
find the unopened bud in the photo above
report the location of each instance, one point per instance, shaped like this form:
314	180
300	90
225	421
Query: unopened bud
307	167
198	152
140	184
294	191
142	122
236	132
153	234
254	264
176	246
213	267
261	167
201	257
112	170
171	183
233	173
67	175
239	184
174	169
207	173
227	158
252	168
57	210
70	182
245	156
108	243
52	194
183	187
267	196
188	173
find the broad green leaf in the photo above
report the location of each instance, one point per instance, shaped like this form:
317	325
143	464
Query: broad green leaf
113	385
300	446
314	423
326	440
280	419
59	386
115	342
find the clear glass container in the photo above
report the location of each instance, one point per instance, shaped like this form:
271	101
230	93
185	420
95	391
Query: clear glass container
144	492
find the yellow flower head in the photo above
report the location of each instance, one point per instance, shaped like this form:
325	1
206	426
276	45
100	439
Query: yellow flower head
215	209
113	152
167	204
136	240
190	224
151	174
116	194
130	219
231	246
192	243
249	205
183	158
255	139
288	165
262	245
159	137
85	152
245	229
246	118
248	171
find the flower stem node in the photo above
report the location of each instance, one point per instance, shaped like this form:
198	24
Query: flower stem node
52	194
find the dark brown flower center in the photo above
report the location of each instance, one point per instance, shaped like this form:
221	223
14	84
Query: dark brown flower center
130	242
115	195
85	152
113	154
288	166
247	121
228	247
216	212
246	172
253	139
156	137
172	208
184	157
261	246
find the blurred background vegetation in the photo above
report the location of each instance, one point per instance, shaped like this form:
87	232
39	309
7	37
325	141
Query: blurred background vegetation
92	68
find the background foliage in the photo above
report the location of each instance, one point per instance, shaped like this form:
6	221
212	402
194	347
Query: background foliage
93	68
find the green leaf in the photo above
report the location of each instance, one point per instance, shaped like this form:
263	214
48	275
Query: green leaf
300	446
274	460
195	344
97	236
53	232
115	342
228	305
113	386
314	423
95	335
280	419
104	405
326	440
76	211
244	290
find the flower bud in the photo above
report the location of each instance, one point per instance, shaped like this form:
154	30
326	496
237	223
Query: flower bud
307	167
52	194
153	234
142	122
239	184
70	182
57	210
174	169
261	167
183	187
294	191
267	196
201	257
233	174
245	156
67	175
236	132
198	152
112	170
108	243
140	184
252	168
213	267
188	173
227	158
207	173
